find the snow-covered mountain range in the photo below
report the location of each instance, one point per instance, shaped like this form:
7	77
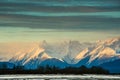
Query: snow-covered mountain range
72	53
103	51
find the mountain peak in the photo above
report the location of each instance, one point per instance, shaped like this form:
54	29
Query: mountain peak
107	51
45	56
108	41
43	44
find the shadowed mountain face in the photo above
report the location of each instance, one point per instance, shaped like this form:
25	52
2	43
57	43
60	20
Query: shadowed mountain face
6	65
102	53
54	62
113	66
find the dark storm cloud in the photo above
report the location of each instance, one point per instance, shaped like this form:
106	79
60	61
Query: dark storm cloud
60	14
78	22
64	2
59	9
60	6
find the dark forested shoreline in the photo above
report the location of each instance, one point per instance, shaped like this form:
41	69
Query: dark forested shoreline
55	70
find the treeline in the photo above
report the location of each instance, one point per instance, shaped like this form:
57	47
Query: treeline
55	70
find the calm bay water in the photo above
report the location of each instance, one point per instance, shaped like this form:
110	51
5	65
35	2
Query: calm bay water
60	77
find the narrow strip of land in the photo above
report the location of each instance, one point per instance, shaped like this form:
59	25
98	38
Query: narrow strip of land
82	77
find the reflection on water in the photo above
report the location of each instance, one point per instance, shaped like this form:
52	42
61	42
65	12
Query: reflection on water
59	77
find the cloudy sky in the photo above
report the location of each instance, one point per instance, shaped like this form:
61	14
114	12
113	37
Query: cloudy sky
58	20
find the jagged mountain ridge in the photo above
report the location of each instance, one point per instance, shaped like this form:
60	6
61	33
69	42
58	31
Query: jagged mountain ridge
31	59
94	55
103	51
71	49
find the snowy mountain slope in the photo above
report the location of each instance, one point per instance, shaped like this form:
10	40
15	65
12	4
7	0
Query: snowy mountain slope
54	62
112	41
70	53
35	56
103	51
82	54
55	49
36	61
74	49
